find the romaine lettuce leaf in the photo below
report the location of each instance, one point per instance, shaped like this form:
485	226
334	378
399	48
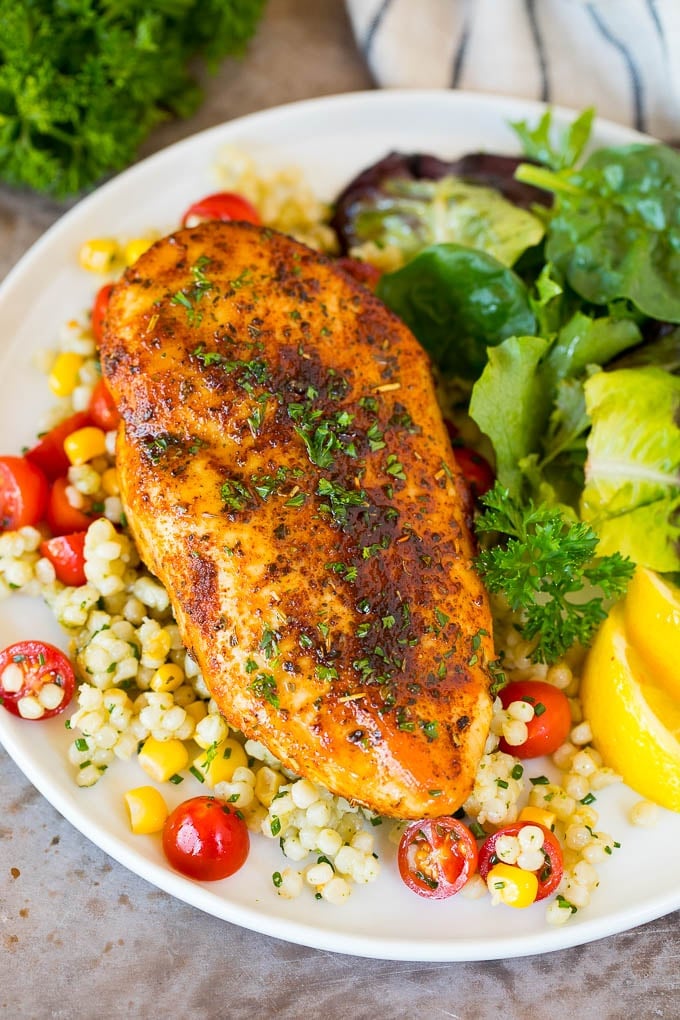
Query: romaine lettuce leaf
632	472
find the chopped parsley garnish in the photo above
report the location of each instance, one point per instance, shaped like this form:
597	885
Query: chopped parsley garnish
264	685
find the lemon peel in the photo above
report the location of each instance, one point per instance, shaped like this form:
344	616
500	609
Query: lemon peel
625	709
652	618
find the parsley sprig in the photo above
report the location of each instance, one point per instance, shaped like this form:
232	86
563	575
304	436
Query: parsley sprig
547	568
83	83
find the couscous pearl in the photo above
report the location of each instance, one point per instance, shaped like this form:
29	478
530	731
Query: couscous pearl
304	793
336	891
30	708
291	884
521	710
507	849
50	696
581	734
644	813
12	678
319	874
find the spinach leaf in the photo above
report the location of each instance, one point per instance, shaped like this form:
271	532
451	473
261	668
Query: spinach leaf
615	228
457	301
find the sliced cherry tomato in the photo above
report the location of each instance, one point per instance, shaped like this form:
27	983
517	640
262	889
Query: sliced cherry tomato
206	839
36	680
224	205
436	857
62	518
102	410
476	470
99	310
551	723
23	493
362	272
66	554
48	454
549	876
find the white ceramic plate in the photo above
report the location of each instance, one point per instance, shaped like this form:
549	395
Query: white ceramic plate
331	139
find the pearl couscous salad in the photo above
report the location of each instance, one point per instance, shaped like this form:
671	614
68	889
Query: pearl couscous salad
529	830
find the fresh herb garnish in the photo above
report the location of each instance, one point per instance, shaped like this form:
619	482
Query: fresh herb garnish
541	560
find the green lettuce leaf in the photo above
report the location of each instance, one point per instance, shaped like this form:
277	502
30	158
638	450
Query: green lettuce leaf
413	215
512	380
632	472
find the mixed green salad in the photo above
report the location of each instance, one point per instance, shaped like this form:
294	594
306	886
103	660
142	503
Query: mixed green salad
563	309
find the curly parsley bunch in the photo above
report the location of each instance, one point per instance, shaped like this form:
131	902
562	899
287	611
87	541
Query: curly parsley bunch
82	82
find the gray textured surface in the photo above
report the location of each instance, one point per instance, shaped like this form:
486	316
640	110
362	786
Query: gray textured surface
82	937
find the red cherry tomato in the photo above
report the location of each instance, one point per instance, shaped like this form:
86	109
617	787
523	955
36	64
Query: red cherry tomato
362	272
552	720
102	410
62	518
476	470
48	454
205	839
99	310
23	493
66	554
436	857
25	668
549	876
224	205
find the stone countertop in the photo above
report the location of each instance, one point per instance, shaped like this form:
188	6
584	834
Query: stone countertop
83	937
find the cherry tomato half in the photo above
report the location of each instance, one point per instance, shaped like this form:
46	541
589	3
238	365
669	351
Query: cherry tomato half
549	876
436	857
66	554
36	680
102	409
551	723
205	839
61	517
99	310
23	493
48	453
476	470
224	205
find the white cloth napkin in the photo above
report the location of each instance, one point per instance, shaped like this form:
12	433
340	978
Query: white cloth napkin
621	56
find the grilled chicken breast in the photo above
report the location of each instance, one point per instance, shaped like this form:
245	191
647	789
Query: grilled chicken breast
287	475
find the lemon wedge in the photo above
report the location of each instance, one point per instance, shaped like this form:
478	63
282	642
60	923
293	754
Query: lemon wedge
652	616
635	722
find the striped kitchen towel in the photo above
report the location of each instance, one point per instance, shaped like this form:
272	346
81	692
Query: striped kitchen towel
621	56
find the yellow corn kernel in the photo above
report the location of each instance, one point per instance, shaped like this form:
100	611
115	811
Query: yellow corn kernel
167	677
64	376
99	255
267	784
537	814
147	810
162	759
512	886
133	249
197	710
84	444
110	483
220	761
